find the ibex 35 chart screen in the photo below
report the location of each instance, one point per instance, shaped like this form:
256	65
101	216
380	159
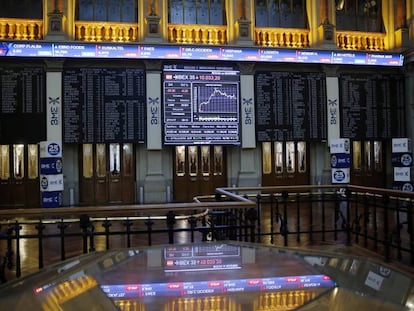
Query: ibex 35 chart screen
201	105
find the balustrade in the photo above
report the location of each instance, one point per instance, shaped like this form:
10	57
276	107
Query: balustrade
25	29
282	37
21	29
197	34
357	40
106	31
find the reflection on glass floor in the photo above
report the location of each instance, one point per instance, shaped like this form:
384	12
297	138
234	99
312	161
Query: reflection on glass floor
210	276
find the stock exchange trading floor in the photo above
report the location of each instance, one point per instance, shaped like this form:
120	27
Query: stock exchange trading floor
229	275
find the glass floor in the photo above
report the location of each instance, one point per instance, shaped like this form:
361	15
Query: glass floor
216	276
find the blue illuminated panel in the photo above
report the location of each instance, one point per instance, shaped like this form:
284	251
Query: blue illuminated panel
141	51
201	288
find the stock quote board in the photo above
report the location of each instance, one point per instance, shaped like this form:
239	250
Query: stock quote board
291	106
104	105
372	106
201	105
23	104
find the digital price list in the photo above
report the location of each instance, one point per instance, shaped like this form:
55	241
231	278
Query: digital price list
22	104
104	105
372	106
291	106
133	51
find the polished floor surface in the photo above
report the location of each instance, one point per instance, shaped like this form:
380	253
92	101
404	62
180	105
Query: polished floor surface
209	276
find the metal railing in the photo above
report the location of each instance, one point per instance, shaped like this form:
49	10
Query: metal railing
374	219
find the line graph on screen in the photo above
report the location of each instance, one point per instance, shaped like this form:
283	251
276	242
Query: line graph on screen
217	98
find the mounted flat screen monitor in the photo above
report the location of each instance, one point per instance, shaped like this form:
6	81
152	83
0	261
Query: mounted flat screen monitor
201	105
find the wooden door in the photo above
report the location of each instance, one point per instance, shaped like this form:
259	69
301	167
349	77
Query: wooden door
198	170
86	174
285	163
121	173
367	163
5	175
128	174
19	175
114	176
100	181
107	174
32	180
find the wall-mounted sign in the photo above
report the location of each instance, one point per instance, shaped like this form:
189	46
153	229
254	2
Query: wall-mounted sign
340	175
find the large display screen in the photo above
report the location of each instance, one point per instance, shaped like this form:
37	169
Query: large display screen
291	106
22	104
372	106
201	105
103	105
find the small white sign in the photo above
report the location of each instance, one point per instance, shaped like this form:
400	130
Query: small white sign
402	173
51	182
401	145
340	175
340	145
374	280
50	149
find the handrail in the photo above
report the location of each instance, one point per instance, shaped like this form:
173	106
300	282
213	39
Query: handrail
306	188
96	219
120	210
238	201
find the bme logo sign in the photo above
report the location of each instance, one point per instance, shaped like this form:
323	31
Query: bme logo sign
54	106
